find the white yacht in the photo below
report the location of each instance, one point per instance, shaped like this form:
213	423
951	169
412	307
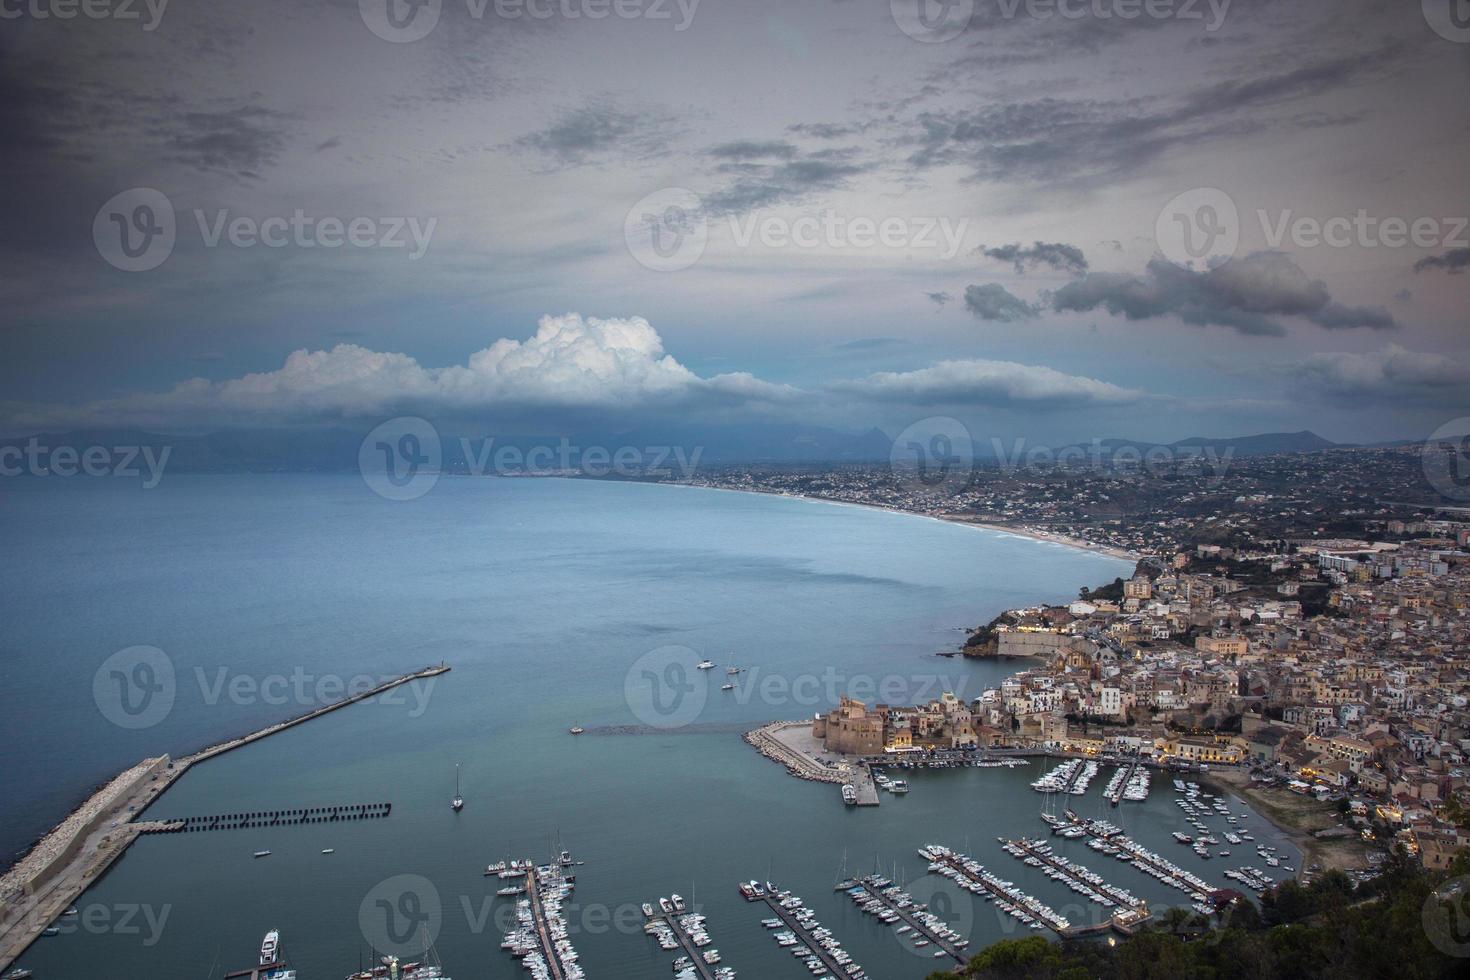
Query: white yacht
705	665
269	947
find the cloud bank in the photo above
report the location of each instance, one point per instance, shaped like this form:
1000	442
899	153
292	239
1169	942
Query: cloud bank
989	383
571	364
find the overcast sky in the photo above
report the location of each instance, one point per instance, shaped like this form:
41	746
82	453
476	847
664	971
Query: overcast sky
811	211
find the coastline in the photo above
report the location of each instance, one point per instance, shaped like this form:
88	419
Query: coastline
1297	818
1046	537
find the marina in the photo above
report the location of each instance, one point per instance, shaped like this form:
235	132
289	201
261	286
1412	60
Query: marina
804	936
1108	839
1128	783
971	875
879	896
1126	910
674	926
539	939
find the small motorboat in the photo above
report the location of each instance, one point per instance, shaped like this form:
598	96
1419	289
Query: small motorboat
576	730
705	665
329	850
261	854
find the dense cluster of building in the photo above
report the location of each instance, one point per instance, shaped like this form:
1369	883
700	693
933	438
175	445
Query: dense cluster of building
1327	648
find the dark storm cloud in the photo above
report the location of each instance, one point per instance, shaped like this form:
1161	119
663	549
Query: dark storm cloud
762	185
1390	375
1053	139
244	140
1454	261
824	131
995	303
753	149
600	129
996	40
1055	255
1246	295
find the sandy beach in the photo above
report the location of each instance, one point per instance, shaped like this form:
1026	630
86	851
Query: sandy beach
1298	817
960	519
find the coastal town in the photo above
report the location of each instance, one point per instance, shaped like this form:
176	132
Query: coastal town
1292	626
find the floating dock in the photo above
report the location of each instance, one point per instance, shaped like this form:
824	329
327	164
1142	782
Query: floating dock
543	928
1132	911
687	943
273	818
805	938
1030	905
1116	796
879	887
1145	860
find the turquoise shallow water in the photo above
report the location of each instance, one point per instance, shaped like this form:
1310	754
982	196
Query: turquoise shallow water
555	602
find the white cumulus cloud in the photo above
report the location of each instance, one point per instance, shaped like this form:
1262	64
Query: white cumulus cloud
571	363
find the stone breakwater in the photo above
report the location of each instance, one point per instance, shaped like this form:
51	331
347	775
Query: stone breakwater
766	742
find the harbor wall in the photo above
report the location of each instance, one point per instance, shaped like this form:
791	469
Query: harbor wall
109	807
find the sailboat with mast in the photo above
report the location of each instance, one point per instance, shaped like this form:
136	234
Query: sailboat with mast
457	804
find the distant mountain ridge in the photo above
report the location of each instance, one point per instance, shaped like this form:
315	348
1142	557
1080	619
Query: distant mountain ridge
336	449
1263	444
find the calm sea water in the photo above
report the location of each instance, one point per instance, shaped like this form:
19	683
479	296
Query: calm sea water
555	602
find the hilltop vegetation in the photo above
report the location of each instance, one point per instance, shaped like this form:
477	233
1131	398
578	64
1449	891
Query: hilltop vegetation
1398	925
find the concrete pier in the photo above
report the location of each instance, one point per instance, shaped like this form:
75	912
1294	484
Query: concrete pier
68	860
867	790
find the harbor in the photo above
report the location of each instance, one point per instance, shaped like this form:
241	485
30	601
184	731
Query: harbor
322	938
1108	839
